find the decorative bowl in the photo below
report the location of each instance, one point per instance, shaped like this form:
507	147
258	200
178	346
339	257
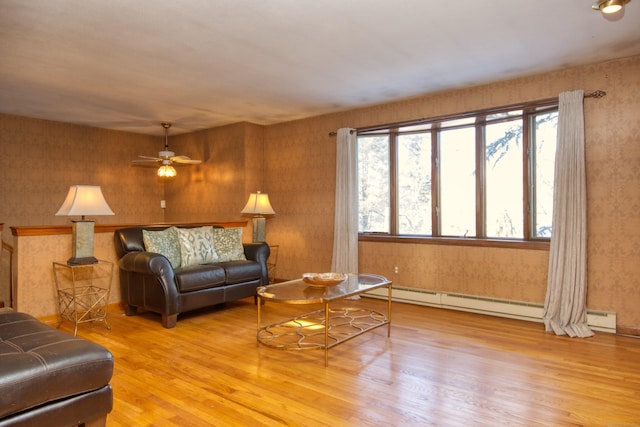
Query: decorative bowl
324	279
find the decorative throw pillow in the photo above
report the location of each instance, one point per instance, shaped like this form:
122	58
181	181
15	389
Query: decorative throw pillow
196	246
163	242
228	244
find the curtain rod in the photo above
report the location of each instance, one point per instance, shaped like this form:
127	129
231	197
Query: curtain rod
595	94
334	133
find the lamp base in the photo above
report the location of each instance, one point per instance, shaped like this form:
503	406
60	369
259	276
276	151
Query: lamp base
82	261
259	229
82	243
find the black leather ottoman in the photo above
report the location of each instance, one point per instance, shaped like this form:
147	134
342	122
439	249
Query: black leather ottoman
50	378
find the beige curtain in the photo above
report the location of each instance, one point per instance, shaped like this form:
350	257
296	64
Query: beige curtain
345	234
565	309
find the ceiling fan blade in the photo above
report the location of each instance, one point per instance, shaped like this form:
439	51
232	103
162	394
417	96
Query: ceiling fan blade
147	160
185	159
144	164
150	158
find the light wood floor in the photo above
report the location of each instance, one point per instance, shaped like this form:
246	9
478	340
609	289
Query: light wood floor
439	367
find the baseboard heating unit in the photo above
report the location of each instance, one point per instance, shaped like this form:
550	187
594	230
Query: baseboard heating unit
602	321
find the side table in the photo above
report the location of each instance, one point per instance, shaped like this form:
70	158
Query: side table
83	291
272	261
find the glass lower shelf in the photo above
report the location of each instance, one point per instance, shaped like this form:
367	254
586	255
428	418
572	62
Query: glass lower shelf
307	331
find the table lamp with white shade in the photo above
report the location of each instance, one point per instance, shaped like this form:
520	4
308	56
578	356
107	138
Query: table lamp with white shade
258	206
83	200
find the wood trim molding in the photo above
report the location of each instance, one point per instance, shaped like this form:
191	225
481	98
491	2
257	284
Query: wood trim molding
50	230
457	241
624	330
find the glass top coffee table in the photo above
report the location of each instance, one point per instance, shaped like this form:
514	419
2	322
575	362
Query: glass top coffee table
309	331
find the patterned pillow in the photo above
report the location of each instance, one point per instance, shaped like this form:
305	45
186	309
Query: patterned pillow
163	242
196	246
228	244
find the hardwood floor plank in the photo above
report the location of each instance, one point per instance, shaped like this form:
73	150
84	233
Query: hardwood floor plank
439	367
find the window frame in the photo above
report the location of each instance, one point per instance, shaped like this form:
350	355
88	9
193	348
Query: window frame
528	241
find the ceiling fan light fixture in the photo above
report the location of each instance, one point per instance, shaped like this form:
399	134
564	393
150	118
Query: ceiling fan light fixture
167	158
167	171
609	6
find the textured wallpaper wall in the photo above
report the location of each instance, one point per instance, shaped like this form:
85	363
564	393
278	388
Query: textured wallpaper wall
300	179
40	159
219	187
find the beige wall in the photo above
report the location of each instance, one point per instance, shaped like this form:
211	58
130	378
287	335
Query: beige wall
300	180
34	281
40	159
219	187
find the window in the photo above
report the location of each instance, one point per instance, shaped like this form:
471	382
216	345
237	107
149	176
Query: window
457	210
484	175
543	161
414	183
374	184
503	177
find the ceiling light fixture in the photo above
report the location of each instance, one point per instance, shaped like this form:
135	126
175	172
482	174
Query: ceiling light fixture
166	170
609	6
167	158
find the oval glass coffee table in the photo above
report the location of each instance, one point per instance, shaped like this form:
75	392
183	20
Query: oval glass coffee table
309	331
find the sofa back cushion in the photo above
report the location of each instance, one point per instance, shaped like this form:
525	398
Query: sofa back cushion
196	246
228	244
164	242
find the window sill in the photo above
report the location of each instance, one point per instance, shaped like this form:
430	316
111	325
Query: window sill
542	245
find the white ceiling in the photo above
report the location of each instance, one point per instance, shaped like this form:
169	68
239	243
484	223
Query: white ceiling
129	65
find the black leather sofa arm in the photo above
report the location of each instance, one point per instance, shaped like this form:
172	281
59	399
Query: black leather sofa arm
147	263
259	252
151	264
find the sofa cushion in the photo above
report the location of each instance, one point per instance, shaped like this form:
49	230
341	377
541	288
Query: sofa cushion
39	364
196	246
241	271
198	277
164	242
228	244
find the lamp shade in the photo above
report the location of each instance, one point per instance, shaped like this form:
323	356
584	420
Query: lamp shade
84	200
258	204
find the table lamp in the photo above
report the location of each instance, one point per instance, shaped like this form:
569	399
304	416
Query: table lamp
83	200
258	206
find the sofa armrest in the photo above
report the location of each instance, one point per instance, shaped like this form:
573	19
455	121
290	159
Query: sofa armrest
259	252
152	264
147	263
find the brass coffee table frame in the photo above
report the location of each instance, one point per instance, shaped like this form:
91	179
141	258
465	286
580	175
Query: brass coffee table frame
308	330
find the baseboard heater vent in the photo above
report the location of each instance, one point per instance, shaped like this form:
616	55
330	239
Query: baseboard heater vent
602	321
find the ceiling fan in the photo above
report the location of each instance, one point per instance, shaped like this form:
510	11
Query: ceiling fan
166	158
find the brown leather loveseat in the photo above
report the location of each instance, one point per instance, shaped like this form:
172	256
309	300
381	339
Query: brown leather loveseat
148	280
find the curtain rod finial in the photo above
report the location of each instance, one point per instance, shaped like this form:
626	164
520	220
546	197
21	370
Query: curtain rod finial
596	94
